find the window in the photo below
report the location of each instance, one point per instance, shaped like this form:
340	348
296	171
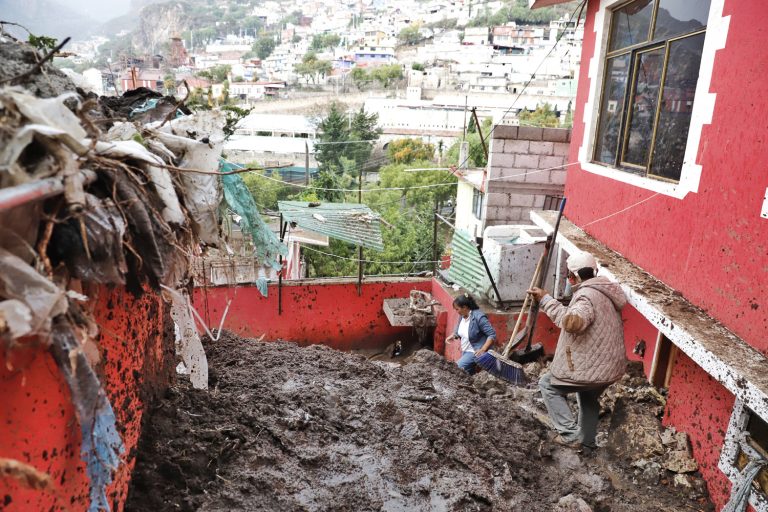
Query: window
552	202
746	439
651	70
477	204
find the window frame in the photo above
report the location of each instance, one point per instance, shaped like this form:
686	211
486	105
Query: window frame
735	441
477	203
715	35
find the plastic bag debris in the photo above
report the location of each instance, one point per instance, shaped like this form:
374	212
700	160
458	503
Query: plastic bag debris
15	318
266	245
262	286
44	299
192	351
200	149
101	444
100	259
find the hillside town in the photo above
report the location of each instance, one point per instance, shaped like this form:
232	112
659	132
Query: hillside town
446	255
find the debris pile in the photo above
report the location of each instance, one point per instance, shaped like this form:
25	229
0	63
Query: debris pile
287	428
90	196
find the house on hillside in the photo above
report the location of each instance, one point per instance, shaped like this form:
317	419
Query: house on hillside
669	191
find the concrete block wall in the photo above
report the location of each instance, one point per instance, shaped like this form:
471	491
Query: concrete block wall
525	166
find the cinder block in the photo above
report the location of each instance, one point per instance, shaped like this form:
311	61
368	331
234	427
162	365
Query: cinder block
497	199
517	146
537	176
542	148
530	133
556	134
497	146
509	175
495	212
562	149
528	161
521	200
547	162
558	177
504	131
502	160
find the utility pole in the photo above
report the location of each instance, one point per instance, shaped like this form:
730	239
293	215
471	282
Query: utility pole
306	163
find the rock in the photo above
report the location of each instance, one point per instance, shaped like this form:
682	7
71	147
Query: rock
679	461
410	430
648	471
533	370
633	434
572	503
682	481
592	482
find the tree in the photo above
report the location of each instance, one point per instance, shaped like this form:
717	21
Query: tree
363	128
409	36
217	74
476	156
332	128
417	66
266	193
406	151
360	77
264	47
386	74
323	41
543	116
311	67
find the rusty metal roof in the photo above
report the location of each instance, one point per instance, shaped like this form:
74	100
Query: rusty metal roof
352	222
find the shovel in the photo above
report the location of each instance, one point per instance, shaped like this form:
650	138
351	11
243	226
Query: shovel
518	336
533	352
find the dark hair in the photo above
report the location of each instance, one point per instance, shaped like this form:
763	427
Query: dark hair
465	300
586	273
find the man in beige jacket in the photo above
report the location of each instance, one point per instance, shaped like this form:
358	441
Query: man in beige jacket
590	352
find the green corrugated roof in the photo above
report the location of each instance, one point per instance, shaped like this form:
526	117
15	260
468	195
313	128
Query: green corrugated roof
467	268
352	222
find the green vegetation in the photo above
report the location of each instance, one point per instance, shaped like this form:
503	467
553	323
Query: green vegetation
543	116
417	66
312	68
409	35
216	74
521	13
323	41
264	46
385	75
476	157
406	151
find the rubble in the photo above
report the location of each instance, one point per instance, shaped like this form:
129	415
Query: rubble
99	191
290	428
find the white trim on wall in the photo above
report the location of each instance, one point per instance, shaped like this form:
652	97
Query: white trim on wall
703	105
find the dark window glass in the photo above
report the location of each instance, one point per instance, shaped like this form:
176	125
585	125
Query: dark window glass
677	17
611	109
676	106
645	99
630	24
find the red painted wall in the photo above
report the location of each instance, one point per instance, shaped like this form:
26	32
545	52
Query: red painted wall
37	419
637	329
703	406
711	245
314	312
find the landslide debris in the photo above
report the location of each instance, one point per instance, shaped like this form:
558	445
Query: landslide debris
286	428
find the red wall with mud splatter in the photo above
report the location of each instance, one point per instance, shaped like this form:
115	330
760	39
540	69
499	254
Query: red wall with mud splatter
704	407
37	419
712	244
314	312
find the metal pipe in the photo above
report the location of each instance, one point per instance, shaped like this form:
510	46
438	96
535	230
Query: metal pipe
11	197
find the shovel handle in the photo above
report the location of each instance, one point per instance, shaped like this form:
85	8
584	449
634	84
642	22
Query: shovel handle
509	346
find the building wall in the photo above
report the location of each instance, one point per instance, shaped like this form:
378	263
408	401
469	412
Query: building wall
711	244
328	312
465	218
38	421
520	176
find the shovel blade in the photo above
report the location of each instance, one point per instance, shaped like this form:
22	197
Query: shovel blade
519	337
528	356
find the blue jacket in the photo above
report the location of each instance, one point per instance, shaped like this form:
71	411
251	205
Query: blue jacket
480	329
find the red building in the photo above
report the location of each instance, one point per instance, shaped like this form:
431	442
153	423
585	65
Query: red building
670	192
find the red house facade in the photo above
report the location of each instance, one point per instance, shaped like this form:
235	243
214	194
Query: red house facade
670	186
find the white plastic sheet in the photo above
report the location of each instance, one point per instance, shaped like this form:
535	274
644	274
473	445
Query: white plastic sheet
192	351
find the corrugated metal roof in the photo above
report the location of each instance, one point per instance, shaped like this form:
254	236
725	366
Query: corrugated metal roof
467	268
352	222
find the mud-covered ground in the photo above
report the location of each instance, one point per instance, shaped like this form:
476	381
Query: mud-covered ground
285	428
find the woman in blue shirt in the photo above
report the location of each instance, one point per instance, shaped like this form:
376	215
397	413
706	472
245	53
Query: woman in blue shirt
474	330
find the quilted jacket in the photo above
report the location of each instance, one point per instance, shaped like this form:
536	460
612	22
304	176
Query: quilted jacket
590	350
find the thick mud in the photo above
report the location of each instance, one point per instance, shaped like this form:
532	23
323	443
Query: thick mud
285	428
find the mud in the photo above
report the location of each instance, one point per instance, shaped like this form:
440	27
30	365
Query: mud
285	428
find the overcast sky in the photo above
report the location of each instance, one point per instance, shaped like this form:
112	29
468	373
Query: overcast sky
101	10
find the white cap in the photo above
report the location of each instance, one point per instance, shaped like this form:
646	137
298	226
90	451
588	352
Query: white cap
579	260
